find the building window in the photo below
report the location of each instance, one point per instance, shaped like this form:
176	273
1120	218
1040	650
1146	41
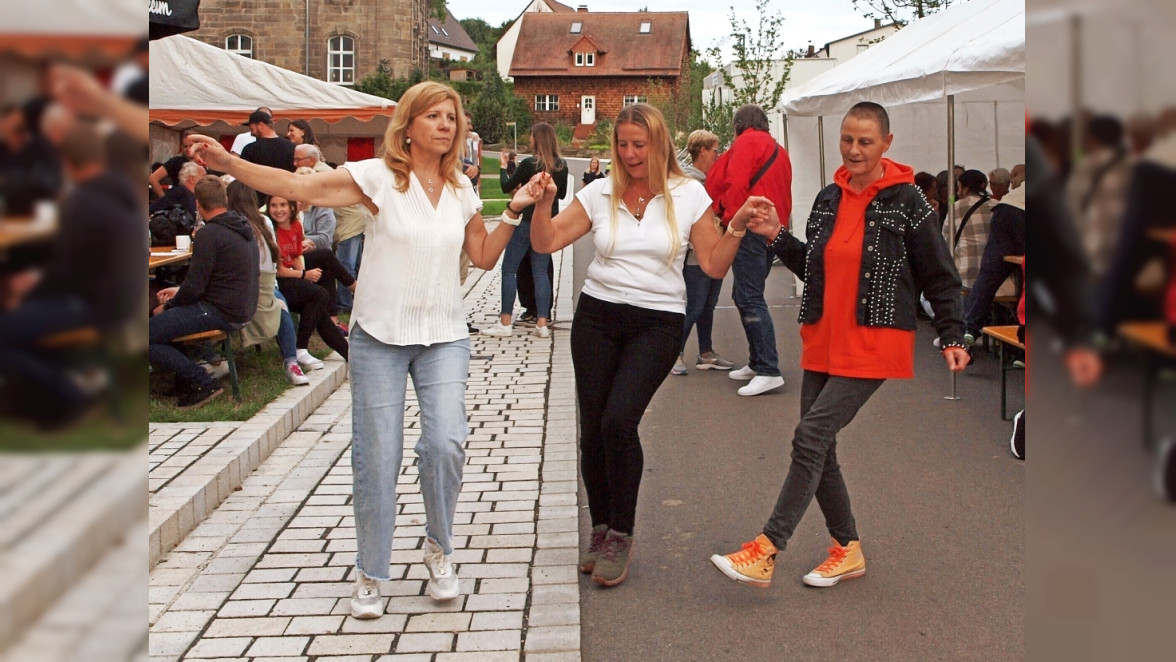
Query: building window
644	27
549	102
435	30
341	60
239	44
576	27
631	99
585	59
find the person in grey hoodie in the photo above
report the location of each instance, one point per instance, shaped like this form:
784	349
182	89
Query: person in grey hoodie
219	292
702	291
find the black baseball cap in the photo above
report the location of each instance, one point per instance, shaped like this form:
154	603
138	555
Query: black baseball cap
258	117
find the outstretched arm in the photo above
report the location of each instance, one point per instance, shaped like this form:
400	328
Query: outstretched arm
550	234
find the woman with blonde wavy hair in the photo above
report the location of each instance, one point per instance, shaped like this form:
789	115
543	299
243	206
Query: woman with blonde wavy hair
629	320
407	320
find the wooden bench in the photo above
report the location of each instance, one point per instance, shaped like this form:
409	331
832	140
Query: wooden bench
1007	336
1152	337
223	341
84	337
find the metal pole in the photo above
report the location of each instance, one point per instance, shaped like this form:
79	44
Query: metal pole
821	145
1076	122
306	44
951	202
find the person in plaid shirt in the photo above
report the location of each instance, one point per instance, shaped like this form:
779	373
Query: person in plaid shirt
973	217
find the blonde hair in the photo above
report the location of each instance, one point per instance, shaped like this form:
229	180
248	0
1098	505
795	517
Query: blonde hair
699	139
415	102
662	164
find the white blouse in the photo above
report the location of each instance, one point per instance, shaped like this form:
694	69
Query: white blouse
409	290
634	269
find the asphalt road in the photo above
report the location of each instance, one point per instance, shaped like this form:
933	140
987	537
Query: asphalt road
938	499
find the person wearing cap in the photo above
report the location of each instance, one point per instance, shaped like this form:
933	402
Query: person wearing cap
246	137
269	149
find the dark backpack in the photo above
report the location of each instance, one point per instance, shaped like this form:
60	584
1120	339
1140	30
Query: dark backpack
165	224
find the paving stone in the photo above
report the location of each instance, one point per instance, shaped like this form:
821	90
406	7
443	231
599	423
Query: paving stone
351	644
490	640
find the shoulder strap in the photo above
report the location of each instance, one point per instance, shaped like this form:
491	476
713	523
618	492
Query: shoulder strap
763	169
1098	177
968	215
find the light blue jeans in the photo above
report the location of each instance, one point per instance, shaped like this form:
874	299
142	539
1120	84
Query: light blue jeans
378	384
350	253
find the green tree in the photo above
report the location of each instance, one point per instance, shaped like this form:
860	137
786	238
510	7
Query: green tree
682	105
496	105
382	84
901	11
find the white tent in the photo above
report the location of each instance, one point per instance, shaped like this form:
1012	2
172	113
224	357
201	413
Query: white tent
195	84
966	63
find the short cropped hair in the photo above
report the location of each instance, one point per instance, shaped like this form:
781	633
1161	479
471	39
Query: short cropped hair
868	110
1000	176
210	193
698	139
750	116
189	171
83	145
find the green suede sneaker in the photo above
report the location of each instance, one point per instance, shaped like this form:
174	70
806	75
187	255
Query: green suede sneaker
589	556
612	566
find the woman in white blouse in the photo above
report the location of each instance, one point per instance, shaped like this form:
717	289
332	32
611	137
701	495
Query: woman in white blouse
628	323
407	319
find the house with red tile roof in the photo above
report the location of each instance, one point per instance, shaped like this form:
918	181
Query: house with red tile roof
506	43
576	68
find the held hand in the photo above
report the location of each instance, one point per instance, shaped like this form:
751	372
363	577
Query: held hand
208	150
764	221
313	275
957	359
167	294
307	245
1085	366
533	191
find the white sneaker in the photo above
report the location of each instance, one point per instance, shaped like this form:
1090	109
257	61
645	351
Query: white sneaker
443	581
307	360
543	331
761	384
499	329
215	370
365	598
294	374
743	374
679	366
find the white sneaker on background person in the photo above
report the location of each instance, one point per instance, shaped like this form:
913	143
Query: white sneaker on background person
543	331
761	384
679	366
295	375
498	329
743	374
365	597
443	581
215	370
307	360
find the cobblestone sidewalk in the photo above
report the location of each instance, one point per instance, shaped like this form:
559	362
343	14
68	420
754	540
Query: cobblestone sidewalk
268	575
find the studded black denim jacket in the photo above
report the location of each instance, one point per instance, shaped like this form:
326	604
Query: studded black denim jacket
903	254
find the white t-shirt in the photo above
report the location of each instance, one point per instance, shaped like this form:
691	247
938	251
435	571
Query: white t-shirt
636	272
409	291
241	141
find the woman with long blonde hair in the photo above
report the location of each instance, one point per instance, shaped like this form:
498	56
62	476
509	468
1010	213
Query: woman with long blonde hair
407	320
545	158
629	320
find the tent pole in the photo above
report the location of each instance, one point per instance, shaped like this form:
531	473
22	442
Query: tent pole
821	145
951	193
1076	125
996	130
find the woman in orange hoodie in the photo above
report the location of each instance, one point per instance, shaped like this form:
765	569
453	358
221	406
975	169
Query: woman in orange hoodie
873	245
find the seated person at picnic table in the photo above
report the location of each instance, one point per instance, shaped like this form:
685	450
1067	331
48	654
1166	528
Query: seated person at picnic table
1007	237
181	193
307	280
219	292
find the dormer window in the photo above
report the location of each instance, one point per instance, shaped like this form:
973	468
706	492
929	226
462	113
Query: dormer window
435	30
576	27
585	59
645	25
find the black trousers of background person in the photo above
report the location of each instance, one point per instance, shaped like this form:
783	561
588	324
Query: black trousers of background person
312	302
525	284
1006	236
333	272
621	355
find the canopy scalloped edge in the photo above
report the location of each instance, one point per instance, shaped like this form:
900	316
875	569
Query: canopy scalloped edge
207	117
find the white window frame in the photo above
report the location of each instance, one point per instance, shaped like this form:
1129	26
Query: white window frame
645	27
238	49
577	27
585	59
336	47
547	102
631	99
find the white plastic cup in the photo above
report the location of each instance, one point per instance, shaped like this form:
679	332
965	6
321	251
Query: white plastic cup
183	242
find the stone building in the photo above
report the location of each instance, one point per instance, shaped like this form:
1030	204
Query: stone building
339	41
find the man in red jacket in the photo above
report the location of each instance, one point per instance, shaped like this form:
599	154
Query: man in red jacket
754	165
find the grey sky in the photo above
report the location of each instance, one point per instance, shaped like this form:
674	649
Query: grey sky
818	21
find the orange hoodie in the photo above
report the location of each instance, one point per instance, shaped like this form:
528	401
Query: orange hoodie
836	344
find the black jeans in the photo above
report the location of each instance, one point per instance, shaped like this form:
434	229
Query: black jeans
1006	237
827	404
333	270
311	302
621	355
181	321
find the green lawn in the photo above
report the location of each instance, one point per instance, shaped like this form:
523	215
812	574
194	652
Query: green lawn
493	200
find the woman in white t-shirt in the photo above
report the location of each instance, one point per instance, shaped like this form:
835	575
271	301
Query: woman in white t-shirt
407	320
629	320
